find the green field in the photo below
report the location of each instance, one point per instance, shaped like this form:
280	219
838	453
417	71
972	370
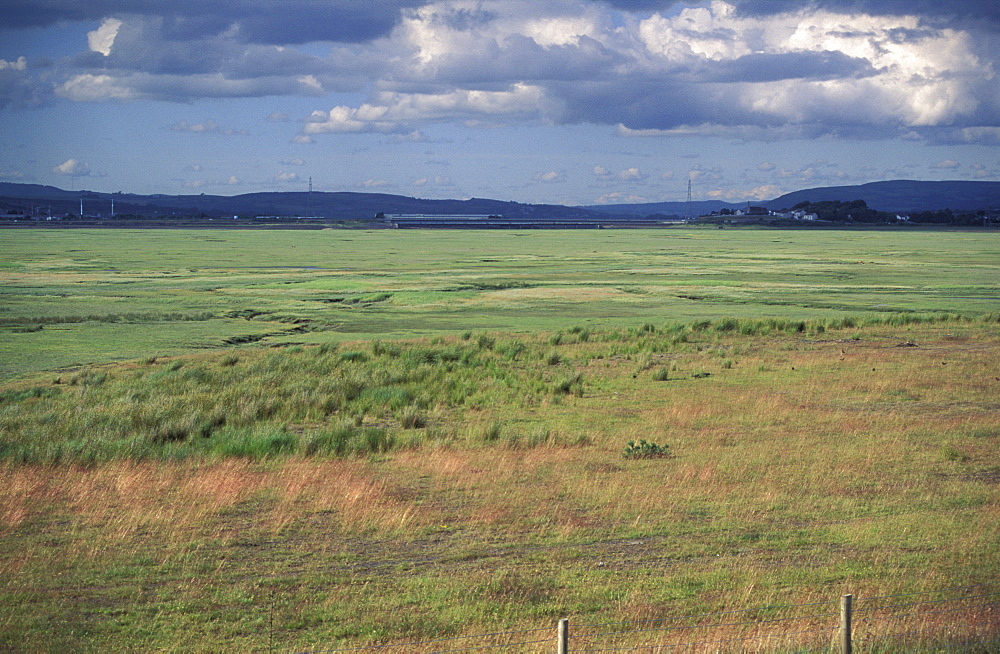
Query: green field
288	441
72	297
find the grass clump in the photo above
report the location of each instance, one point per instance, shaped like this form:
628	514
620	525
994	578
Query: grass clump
572	385
643	449
349	439
411	418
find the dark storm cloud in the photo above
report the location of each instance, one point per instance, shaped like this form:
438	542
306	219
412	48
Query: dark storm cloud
759	67
988	10
285	22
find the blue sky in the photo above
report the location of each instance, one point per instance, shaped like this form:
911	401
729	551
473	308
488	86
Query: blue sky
544	101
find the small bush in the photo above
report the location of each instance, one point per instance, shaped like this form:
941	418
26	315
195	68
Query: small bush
229	360
661	375
645	450
354	356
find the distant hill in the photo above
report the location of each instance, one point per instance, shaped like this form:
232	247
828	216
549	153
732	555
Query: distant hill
903	196
899	196
893	196
329	206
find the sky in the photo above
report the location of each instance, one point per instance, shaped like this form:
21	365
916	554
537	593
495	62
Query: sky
574	102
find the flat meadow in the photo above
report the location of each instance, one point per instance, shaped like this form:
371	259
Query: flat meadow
297	441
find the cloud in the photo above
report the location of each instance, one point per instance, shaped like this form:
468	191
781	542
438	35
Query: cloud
19	64
550	177
73	168
966	9
18	85
741	69
103	38
621	198
284	177
232	180
374	183
437	180
627	175
397	112
288	21
11	175
95	88
764	192
207	127
979	135
947	164
708	70
416	136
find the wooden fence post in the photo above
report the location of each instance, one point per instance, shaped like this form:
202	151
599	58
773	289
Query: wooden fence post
563	647
845	624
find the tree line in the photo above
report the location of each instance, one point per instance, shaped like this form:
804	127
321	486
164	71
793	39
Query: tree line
858	211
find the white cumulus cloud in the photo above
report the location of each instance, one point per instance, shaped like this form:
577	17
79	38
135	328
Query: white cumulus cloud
550	177
628	175
103	38
21	63
96	88
73	168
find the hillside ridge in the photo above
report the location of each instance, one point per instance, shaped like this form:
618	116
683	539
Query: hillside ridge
893	196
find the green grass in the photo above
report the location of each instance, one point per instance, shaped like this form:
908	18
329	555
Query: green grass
91	296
